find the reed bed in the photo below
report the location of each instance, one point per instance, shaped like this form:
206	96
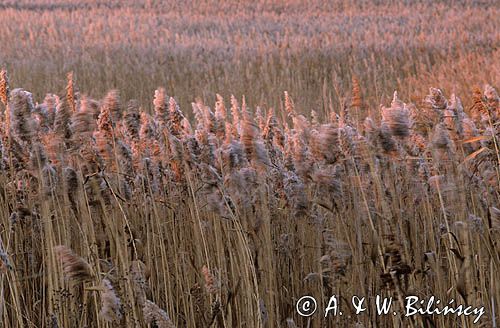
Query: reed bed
252	48
114	216
219	199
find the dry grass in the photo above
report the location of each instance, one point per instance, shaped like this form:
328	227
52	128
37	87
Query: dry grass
228	222
257	49
167	213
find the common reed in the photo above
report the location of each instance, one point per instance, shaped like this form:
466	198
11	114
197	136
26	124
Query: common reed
228	218
257	49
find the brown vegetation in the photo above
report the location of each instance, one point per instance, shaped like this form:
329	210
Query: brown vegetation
228	219
135	208
252	48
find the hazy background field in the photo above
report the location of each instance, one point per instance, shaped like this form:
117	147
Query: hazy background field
255	48
162	213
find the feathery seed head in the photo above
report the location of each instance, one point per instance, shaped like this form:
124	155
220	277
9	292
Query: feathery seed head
111	305
4	87
396	117
176	118
289	105
70	92
356	99
153	314
22	107
111	104
160	105
436	100
132	120
74	267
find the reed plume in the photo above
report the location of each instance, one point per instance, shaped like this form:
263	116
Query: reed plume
4	87
441	138
50	102
153	314
70	92
62	119
436	100
289	105
104	134
161	106
82	122
478	108
357	99
139	281
396	117
176	118
22	107
147	130
235	113
324	143
220	117
492	101
111	305
132	120
75	268
111	104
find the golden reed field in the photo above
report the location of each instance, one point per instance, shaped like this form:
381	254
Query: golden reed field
249	164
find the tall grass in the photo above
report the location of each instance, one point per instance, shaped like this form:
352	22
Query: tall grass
124	206
112	216
252	48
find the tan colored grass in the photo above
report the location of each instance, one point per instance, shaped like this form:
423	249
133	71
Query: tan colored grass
263	207
182	214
